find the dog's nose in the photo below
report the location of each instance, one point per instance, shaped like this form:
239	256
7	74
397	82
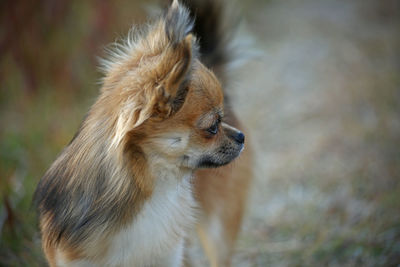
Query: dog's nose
239	137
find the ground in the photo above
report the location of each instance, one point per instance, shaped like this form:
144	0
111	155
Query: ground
322	100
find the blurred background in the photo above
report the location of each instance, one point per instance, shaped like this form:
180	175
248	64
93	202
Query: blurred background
321	99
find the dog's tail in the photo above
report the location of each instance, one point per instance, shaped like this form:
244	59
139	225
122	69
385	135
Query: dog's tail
214	31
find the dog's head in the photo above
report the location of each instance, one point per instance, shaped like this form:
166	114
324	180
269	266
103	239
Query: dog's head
165	101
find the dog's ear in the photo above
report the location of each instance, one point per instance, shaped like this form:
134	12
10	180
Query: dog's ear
171	90
175	62
167	54
148	73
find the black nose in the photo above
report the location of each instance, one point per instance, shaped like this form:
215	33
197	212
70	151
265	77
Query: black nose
239	137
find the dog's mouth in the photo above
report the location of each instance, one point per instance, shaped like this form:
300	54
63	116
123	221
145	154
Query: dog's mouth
219	159
209	162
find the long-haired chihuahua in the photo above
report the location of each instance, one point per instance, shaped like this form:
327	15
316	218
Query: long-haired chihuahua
124	192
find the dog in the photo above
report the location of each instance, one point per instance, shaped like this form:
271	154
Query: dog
125	191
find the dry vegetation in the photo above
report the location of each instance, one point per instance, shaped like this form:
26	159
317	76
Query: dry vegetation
321	98
324	103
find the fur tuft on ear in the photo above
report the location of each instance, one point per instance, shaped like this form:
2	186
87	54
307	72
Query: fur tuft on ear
178	23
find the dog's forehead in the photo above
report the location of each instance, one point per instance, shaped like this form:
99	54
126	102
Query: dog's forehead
207	85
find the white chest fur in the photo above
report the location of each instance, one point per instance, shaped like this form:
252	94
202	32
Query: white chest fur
155	236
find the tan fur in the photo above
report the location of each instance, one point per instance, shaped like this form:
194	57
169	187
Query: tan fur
127	171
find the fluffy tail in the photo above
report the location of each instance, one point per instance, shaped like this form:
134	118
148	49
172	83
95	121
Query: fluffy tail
213	33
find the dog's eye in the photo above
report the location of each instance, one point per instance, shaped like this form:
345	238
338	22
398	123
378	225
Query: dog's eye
213	129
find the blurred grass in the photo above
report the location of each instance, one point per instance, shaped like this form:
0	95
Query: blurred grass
48	80
326	109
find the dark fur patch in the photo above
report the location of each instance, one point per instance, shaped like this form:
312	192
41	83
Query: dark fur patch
180	97
80	207
213	37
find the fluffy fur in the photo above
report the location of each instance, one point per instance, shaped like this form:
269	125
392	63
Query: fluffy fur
120	194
